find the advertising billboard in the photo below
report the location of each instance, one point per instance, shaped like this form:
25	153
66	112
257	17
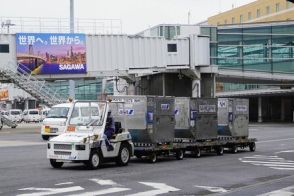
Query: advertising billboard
51	53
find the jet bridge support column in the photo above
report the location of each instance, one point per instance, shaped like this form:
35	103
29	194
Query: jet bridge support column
131	88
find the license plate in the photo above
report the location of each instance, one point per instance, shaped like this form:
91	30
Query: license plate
54	130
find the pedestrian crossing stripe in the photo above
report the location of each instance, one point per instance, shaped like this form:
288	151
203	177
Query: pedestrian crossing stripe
273	162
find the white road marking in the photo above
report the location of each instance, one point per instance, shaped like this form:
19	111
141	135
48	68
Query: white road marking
266	141
10	143
160	188
274	165
49	191
63	183
213	189
104	182
285	151
103	192
273	162
288	191
279	168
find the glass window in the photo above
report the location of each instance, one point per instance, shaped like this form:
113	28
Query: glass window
268	9
257	13
277	7
172	47
58	112
241	18
33	112
169	32
233	20
161	31
4	48
249	16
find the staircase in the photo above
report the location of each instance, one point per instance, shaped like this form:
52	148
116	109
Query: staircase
6	121
37	88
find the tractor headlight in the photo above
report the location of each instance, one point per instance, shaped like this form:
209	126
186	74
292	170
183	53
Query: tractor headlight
80	147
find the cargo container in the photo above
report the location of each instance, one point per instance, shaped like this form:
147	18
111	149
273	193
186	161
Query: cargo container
151	122
233	117
196	125
233	121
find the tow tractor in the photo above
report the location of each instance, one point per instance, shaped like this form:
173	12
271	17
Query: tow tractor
84	140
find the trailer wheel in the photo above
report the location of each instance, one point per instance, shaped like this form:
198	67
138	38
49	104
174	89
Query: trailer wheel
123	155
219	150
234	149
55	164
252	146
197	153
94	160
180	154
152	158
45	137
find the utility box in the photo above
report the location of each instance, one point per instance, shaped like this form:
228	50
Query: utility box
149	119
196	118
233	117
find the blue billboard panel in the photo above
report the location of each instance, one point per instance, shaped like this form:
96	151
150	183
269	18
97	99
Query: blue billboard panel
51	53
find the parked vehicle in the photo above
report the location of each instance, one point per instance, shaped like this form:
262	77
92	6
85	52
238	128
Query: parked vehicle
15	115
55	122
32	115
85	141
44	113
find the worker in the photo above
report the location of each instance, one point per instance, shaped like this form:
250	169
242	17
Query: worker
109	131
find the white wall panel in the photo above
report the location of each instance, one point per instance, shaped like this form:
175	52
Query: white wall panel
181	57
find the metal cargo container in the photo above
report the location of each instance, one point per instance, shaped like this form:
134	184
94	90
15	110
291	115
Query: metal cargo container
149	119
233	117
196	118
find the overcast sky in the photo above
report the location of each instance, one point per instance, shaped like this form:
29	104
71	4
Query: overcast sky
136	15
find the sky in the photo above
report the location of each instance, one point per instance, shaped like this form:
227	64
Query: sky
136	15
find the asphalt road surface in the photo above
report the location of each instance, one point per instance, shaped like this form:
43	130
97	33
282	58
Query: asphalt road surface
24	169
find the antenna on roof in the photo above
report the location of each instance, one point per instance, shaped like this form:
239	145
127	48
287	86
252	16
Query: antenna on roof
189	15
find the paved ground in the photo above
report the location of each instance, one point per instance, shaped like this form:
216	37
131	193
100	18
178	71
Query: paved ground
24	169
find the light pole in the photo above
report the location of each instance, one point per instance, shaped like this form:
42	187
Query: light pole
72	17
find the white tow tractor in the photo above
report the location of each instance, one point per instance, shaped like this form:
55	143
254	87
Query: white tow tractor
84	140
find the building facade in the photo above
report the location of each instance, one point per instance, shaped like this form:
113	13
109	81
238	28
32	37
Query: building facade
257	11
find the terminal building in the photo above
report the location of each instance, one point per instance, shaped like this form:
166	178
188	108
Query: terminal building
252	60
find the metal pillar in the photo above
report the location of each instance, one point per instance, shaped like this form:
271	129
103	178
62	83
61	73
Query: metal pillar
163	84
131	88
259	109
72	17
71	89
282	109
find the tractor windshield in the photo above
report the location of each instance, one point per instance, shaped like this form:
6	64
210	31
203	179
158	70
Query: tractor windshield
88	114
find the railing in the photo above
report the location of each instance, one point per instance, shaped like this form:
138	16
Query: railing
21	76
60	25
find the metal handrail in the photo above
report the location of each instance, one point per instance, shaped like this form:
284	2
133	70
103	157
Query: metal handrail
22	76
